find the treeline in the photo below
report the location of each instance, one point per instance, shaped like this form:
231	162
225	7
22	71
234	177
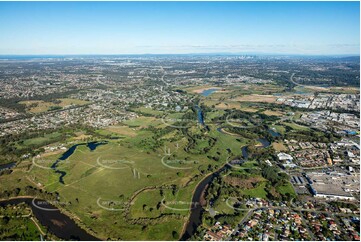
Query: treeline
334	77
310	135
12	145
29	191
260	153
13	103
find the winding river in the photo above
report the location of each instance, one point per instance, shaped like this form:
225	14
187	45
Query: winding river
200	115
49	216
195	218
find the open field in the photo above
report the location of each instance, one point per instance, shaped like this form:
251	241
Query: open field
296	126
223	208
279	128
287	189
39	106
238	105
273	113
348	90
41	140
142	121
114	175
110	173
256	98
332	89
222	105
122	130
81	136
200	90
258	192
139	187
279	146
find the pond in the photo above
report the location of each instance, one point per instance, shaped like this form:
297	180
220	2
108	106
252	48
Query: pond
274	133
208	92
265	143
7	166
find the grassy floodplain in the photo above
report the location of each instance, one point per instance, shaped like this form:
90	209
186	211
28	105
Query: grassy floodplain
139	185
131	187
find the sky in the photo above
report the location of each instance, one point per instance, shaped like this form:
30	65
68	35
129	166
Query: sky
310	28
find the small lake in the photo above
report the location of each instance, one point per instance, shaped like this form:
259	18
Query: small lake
274	133
265	143
58	223
93	145
208	92
7	166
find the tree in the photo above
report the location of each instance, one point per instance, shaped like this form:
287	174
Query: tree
175	235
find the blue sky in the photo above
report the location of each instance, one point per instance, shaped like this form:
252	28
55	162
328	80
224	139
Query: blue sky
179	27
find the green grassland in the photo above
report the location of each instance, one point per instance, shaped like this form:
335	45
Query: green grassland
41	140
88	179
121	169
279	128
263	89
296	126
137	187
286	189
258	192
222	207
142	121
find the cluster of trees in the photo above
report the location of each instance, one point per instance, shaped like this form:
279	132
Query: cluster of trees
331	77
155	141
310	135
12	145
258	153
272	174
13	103
29	191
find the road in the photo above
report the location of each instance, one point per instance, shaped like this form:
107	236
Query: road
306	86
292	81
162	78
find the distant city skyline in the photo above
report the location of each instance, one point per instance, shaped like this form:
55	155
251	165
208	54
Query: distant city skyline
78	28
